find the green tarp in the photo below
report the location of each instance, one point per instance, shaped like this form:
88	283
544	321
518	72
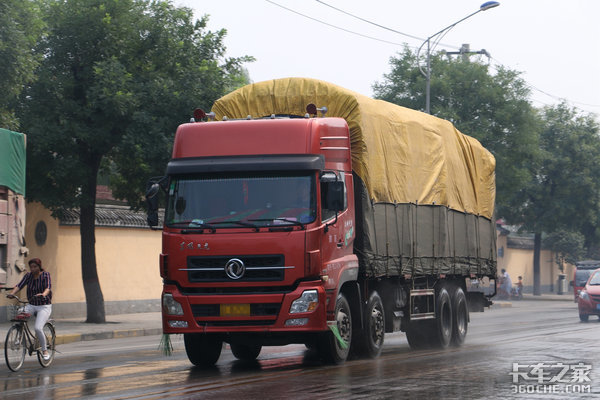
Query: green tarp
12	160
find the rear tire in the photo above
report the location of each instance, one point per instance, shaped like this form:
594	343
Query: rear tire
14	348
443	319
245	352
50	341
460	317
202	350
369	342
329	346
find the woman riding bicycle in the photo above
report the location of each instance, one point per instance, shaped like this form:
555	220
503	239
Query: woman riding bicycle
39	294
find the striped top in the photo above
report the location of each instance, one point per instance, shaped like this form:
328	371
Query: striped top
35	286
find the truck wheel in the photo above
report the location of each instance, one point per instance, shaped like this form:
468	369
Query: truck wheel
245	352
460	317
443	319
369	342
202	350
330	348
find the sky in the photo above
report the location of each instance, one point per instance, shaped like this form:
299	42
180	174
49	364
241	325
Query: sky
555	44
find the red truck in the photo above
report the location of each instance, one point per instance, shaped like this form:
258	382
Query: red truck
331	226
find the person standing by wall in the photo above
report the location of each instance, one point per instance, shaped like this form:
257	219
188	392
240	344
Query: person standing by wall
505	284
39	295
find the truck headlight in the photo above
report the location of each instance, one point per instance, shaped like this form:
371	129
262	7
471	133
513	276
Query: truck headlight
583	294
171	306
306	303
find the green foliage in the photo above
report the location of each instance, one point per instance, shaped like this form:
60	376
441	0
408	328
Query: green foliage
493	108
567	246
565	191
20	28
117	78
547	161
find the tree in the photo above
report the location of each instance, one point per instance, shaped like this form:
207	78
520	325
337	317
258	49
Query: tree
117	78
493	108
564	192
20	28
547	161
567	247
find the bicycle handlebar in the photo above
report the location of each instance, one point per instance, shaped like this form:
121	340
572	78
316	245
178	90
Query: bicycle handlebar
14	296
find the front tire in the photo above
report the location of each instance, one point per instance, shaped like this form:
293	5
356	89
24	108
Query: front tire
245	352
584	317
202	350
50	341
330	348
14	348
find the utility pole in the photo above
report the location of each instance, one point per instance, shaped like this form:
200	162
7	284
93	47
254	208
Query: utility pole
427	73
465	52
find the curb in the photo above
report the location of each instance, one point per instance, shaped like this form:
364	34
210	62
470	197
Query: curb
542	298
116	334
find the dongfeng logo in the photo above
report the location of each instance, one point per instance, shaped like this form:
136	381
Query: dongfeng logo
235	268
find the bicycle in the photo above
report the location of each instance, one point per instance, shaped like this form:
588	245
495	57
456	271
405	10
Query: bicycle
21	340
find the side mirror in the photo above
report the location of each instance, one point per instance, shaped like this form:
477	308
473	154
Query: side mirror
334	196
152	203
571	283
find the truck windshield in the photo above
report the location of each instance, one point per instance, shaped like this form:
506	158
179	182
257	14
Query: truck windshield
242	200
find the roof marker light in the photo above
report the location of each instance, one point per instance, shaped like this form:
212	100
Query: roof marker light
199	114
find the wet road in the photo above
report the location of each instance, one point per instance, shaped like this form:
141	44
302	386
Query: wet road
545	338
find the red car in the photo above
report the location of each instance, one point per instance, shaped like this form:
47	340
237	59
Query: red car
583	270
588	301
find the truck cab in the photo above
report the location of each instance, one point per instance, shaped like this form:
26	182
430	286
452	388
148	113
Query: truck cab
288	210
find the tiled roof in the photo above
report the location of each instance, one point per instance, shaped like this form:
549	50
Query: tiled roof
109	216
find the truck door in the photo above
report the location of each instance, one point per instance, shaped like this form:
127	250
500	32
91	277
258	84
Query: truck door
339	229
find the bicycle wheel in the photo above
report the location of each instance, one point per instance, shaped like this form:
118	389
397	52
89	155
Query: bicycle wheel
50	343
14	347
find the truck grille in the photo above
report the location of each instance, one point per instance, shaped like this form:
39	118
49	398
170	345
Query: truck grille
260	315
256	310
265	268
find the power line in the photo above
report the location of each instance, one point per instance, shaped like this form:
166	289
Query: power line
370	22
406	44
334	26
559	98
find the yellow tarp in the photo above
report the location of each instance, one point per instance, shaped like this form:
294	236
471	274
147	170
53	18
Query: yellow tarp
402	155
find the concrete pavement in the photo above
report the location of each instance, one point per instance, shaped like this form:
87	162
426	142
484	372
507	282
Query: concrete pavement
143	324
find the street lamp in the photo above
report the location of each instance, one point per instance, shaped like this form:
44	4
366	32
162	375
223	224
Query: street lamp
485	6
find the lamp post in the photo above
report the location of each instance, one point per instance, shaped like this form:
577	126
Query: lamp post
485	6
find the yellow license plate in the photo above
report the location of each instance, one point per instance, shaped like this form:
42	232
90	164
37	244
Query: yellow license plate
235	310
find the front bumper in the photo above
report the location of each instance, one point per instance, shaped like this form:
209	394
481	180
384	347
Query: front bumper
588	306
260	313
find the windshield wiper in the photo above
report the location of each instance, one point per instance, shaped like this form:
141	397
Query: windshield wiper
193	224
238	222
291	221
